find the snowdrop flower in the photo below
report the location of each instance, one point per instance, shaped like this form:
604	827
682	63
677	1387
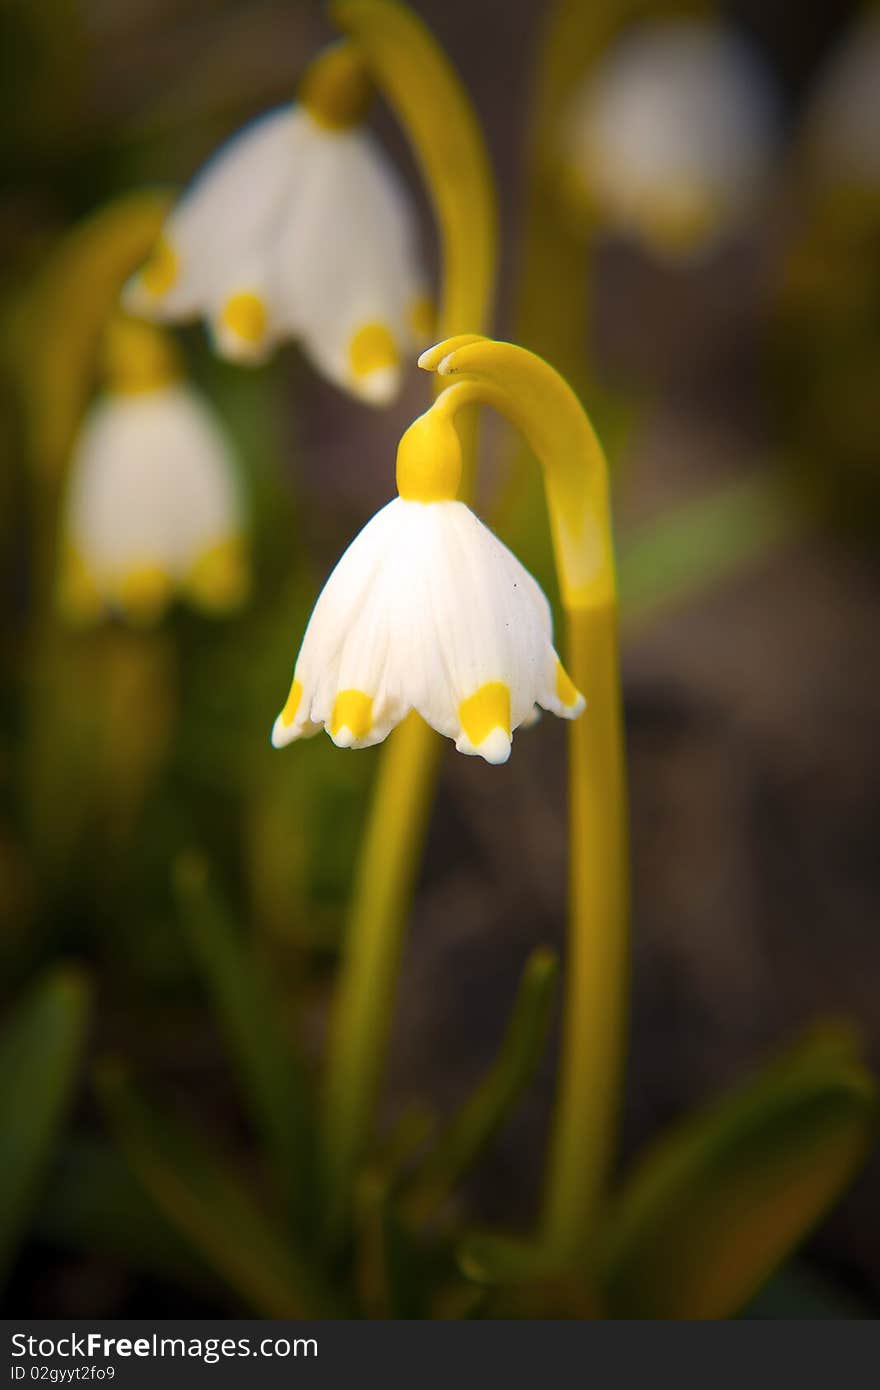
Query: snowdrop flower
843	123
152	506
299	228
671	138
427	611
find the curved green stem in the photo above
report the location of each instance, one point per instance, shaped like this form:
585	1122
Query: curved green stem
547	412
434	111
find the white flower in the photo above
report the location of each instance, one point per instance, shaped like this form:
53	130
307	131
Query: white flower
152	506
427	611
671	138
299	228
843	124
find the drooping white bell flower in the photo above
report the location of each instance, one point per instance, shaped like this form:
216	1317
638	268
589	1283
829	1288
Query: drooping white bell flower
299	228
843	120
153	508
671	138
428	611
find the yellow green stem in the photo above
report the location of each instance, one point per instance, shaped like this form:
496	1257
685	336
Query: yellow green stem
547	412
432	107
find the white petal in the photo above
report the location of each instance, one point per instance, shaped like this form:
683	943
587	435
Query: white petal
152	482
347	260
228	219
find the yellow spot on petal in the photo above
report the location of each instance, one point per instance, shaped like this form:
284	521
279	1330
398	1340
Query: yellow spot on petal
352	710
566	689
372	349
244	314
160	271
219	579
422	318
143	593
487	709
288	714
78	595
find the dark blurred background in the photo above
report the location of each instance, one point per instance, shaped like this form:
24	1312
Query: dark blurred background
750	707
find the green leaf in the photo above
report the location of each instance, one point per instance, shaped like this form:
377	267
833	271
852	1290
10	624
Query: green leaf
94	1204
475	1125
40	1056
717	1204
249	1011
209	1203
702	542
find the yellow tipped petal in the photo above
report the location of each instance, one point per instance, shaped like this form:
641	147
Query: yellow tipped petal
160	272
372	349
292	704
245	315
143	593
219	579
352	710
484	711
566	689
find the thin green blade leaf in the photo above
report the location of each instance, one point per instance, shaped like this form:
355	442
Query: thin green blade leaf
475	1125
40	1056
702	542
249	1011
718	1204
208	1202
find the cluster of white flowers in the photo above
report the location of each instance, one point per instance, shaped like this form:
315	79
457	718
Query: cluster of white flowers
299	228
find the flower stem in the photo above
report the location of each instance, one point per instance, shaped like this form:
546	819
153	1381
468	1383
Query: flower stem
414	75
389	860
594	1010
549	416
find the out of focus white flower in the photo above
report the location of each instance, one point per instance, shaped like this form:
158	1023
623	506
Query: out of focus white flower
152	507
299	228
427	611
843	121
671	138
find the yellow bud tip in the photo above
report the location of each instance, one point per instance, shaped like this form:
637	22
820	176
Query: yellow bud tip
429	459
336	89
440	357
352	718
137	356
244	320
160	273
485	722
